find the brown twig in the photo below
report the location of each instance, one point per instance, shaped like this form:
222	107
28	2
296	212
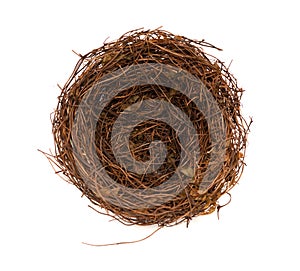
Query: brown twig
125	242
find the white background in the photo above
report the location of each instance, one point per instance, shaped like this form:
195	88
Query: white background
44	220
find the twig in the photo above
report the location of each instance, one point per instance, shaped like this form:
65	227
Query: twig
123	243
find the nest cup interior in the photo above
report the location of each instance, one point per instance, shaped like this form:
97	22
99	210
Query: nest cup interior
150	47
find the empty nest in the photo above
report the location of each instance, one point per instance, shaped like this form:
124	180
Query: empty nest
150	47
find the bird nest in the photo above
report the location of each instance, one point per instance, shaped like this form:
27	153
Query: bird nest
149	128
